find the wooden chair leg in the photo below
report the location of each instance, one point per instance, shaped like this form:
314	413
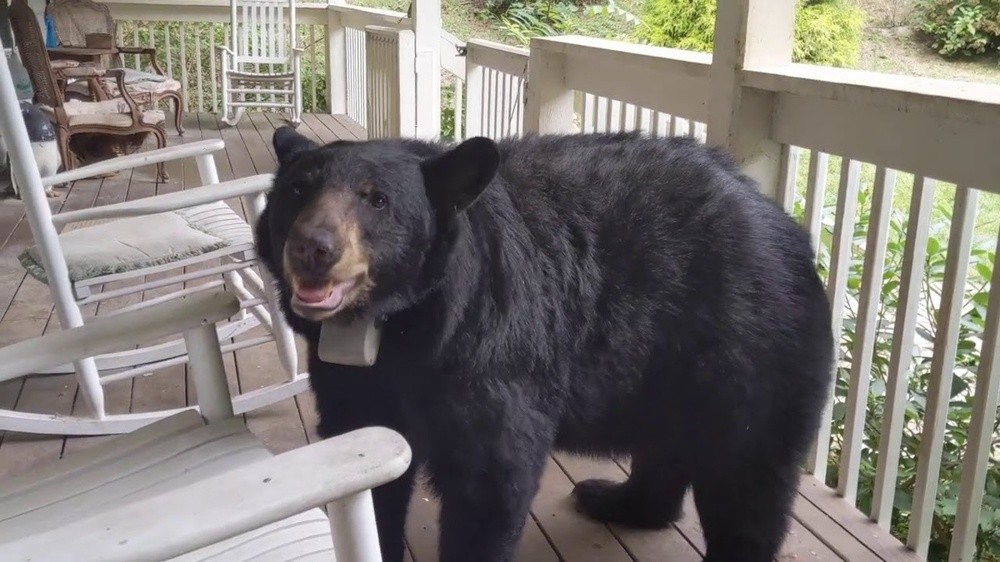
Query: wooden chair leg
179	114
161	142
62	139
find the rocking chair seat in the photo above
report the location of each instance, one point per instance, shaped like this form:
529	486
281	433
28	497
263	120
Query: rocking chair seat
135	243
156	459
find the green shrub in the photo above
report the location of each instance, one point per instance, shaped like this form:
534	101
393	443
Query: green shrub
683	24
961	27
521	20
827	32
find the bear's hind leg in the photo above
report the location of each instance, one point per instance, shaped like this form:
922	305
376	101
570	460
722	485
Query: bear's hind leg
651	498
744	508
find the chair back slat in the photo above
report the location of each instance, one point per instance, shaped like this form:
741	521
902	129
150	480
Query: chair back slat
266	30
31	47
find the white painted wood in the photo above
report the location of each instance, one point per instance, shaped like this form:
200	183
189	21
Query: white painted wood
549	101
208	372
980	441
475	75
114	333
198	72
218	507
866	332
100	454
359	17
506	59
43	230
259	54
136	160
336	63
47	424
451	61
942	369
458	105
214	11
352	523
836	288
789	171
748	34
669	80
819	166
427	67
391	83
172	201
69	296
904	331
946	148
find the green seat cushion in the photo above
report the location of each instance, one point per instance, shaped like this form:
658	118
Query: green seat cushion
135	243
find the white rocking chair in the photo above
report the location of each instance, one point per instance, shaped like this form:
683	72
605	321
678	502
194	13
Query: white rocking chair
261	35
191	487
152	236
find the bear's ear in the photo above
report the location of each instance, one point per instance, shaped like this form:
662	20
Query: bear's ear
287	143
457	177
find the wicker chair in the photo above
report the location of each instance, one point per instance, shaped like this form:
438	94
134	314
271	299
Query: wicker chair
76	19
120	116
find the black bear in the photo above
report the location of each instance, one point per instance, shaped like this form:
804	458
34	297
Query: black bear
603	294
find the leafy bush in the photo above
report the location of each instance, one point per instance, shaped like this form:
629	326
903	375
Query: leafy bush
523	19
682	24
827	32
961	27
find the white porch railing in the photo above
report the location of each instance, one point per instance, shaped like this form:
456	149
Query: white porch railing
495	78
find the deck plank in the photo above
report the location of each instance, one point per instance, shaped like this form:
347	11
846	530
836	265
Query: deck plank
824	527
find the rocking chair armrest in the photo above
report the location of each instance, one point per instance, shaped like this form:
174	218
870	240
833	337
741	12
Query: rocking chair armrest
170	153
211	193
231	503
225	49
115	333
119	75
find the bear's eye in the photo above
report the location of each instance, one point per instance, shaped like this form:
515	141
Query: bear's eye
378	200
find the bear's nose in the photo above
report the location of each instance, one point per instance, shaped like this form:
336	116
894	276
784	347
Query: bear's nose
314	254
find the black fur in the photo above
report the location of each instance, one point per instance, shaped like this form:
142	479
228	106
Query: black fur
599	294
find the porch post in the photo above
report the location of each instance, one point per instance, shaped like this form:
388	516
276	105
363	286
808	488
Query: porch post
549	104
427	35
749	33
336	60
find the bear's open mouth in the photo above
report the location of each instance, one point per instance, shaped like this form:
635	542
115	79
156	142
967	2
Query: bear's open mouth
325	300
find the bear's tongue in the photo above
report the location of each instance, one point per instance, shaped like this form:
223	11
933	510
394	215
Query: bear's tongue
312	295
328	297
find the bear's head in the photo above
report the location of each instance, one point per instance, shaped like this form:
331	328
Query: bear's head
354	227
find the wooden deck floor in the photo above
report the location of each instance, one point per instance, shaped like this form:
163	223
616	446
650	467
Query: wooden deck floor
824	528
